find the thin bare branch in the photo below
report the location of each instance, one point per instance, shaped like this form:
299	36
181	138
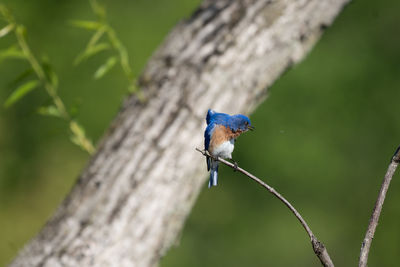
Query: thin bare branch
373	222
318	247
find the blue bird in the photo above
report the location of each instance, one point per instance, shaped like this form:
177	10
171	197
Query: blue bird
219	138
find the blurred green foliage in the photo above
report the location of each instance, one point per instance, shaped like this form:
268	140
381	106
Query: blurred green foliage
44	76
324	138
99	43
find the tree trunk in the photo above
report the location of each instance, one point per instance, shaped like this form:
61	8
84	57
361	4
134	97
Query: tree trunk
131	201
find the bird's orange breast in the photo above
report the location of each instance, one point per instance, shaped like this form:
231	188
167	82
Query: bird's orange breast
222	134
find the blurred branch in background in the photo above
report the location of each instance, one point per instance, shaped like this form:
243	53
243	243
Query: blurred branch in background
373	223
97	44
45	77
318	247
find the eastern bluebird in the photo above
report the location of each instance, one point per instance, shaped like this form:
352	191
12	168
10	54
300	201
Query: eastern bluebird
219	138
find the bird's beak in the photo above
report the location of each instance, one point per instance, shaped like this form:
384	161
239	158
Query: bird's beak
251	128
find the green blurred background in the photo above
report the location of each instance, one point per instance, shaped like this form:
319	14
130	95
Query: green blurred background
324	138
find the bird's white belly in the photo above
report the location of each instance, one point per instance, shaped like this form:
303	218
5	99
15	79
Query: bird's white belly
224	150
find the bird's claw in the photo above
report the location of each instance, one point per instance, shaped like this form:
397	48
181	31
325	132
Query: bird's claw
235	166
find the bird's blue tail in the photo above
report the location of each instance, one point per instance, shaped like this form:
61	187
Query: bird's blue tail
213	174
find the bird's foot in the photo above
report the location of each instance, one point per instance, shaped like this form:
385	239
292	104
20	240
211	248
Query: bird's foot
235	166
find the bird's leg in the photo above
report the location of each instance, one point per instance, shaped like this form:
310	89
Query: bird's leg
235	165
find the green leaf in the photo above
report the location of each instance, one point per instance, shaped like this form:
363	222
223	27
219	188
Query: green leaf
97	36
21	92
98	9
49	111
53	78
79	138
106	67
74	139
75	107
6	30
123	54
86	24
50	73
76	129
5	13
3	10
22	76
125	61
11	52
21	30
78	134
91	51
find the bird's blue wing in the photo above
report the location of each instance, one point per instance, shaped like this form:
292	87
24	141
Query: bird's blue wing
217	118
207	139
213	118
210	113
208	134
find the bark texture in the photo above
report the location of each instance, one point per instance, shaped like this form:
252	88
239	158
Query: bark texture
131	201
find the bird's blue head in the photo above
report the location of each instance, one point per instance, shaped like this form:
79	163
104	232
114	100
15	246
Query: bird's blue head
241	122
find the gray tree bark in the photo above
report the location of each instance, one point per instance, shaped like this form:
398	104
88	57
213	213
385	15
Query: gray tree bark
131	201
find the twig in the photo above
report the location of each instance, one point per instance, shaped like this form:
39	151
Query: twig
373	222
77	131
318	247
117	45
49	82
